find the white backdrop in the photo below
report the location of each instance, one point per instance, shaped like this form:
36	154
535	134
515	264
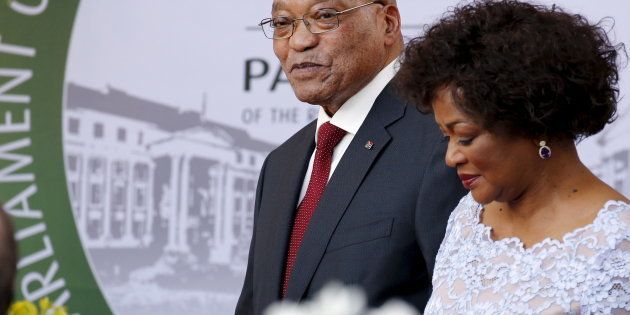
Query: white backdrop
208	67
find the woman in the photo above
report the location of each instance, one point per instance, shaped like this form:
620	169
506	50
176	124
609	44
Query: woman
513	86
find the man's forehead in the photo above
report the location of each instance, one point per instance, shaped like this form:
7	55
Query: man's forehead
284	4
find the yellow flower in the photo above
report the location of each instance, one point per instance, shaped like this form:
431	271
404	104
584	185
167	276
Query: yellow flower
23	308
28	308
59	310
44	306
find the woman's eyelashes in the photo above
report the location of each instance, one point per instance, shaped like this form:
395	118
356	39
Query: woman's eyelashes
465	141
460	140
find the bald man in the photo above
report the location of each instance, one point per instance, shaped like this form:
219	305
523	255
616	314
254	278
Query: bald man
361	195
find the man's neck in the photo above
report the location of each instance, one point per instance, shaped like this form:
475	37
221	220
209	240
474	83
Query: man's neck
332	108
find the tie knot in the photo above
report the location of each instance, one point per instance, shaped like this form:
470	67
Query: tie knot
328	136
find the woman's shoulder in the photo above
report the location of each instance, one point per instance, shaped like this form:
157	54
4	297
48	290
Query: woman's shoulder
608	238
614	217
611	227
608	280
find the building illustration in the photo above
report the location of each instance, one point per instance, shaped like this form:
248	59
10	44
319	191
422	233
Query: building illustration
614	157
148	182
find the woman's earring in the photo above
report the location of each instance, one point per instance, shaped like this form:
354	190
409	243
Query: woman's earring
544	151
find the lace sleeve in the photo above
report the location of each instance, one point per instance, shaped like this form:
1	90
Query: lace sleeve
588	272
609	290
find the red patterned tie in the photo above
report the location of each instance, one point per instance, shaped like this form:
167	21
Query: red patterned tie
327	138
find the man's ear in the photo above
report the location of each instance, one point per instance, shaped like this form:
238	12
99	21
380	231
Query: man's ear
393	24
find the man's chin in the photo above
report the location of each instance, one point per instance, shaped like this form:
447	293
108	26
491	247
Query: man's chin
311	97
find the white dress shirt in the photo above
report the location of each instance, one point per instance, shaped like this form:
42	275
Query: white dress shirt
350	117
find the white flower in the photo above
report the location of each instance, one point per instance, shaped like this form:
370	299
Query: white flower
286	308
337	299
394	307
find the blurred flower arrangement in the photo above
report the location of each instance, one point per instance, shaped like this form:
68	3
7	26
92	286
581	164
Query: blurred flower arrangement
44	307
336	299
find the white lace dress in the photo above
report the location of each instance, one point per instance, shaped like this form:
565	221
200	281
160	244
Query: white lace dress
587	273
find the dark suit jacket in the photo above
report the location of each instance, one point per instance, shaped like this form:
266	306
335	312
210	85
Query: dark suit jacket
379	222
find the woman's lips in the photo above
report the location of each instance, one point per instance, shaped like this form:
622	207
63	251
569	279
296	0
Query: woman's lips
468	180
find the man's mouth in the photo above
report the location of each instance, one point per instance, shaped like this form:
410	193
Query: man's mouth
305	66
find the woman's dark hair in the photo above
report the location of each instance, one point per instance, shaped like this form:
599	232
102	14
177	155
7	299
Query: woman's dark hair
518	68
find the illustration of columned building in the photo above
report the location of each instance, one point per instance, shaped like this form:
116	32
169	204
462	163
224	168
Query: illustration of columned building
614	165
215	184
143	175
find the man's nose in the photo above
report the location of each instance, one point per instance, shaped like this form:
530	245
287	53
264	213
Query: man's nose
302	39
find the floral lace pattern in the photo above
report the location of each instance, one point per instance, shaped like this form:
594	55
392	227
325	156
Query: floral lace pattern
588	272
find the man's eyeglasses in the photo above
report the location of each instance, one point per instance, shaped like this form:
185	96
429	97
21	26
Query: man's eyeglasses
316	22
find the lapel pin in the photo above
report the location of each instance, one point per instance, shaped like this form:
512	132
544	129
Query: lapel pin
369	145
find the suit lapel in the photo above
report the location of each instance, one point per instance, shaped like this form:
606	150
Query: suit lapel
345	181
285	186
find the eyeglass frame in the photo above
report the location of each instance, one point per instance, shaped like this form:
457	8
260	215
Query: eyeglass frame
307	24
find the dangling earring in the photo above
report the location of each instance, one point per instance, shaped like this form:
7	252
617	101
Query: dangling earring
544	151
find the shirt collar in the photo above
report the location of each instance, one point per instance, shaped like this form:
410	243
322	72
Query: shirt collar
352	113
